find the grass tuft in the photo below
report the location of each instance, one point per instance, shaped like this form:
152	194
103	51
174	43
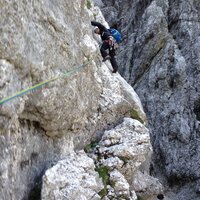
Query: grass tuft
103	173
134	115
88	4
89	147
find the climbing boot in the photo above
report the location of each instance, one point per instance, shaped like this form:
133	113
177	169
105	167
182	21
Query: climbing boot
114	71
106	58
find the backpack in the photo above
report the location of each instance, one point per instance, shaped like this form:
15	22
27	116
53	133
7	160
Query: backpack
115	33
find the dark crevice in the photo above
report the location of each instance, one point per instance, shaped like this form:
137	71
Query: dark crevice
140	9
174	180
35	192
148	38
160	196
197	109
173	15
143	69
32	124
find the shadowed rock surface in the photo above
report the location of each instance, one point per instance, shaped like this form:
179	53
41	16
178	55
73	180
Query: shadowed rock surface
40	40
159	57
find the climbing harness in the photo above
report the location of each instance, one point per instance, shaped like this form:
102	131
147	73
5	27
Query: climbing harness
22	92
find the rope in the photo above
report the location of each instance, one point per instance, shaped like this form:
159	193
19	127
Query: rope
22	92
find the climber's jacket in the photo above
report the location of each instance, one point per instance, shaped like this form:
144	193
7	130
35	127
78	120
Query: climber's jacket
108	44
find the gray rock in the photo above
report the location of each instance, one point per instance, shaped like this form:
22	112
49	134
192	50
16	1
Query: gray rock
98	3
73	178
40	40
159	56
121	185
146	186
111	138
134	147
121	152
112	163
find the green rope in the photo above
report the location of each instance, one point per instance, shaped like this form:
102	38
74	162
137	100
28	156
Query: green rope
22	92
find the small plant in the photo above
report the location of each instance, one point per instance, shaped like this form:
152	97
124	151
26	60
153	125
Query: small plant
139	197
1	130
88	4
102	193
134	114
103	173
89	147
112	183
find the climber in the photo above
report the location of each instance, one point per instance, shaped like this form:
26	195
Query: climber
108	44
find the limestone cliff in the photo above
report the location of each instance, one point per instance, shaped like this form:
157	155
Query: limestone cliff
160	57
40	40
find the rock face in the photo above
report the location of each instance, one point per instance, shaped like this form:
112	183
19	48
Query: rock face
160	57
118	158
40	40
72	178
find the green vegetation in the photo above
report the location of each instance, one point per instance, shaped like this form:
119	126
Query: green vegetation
134	115
1	130
112	183
89	147
88	4
139	197
103	173
102	193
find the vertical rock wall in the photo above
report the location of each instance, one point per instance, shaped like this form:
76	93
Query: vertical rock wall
160	57
40	40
